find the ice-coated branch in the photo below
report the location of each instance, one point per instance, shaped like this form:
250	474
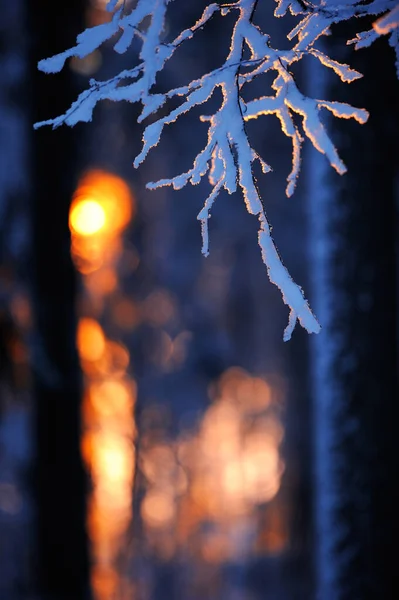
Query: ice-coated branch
227	159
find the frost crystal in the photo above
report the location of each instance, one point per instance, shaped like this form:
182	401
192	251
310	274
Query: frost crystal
227	159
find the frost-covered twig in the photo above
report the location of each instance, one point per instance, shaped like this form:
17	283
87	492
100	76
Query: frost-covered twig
320	16
227	159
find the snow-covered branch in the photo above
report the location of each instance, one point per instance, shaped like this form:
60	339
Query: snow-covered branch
228	157
320	16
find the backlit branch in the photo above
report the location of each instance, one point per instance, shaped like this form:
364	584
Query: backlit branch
227	159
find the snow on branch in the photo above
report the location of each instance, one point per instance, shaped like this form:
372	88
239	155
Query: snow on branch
227	159
321	16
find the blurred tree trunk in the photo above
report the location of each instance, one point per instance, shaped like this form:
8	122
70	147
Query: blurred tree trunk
356	358
62	548
298	566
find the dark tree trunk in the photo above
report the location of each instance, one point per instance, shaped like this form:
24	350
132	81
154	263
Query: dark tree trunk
357	396
62	549
298	455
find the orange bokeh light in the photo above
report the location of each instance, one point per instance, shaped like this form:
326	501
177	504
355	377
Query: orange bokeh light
101	208
90	339
158	508
225	474
87	217
102	204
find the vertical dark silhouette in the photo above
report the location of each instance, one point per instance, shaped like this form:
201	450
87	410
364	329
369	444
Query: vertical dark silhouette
298	568
62	554
360	395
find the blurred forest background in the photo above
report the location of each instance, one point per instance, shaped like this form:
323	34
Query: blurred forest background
158	439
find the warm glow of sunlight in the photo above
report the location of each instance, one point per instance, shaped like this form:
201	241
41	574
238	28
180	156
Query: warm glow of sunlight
109	452
158	509
90	339
240	455
104	581
87	217
114	463
101	209
107	447
108	192
220	478
113	398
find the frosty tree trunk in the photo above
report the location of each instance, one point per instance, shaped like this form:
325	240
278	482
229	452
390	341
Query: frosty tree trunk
62	557
355	357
